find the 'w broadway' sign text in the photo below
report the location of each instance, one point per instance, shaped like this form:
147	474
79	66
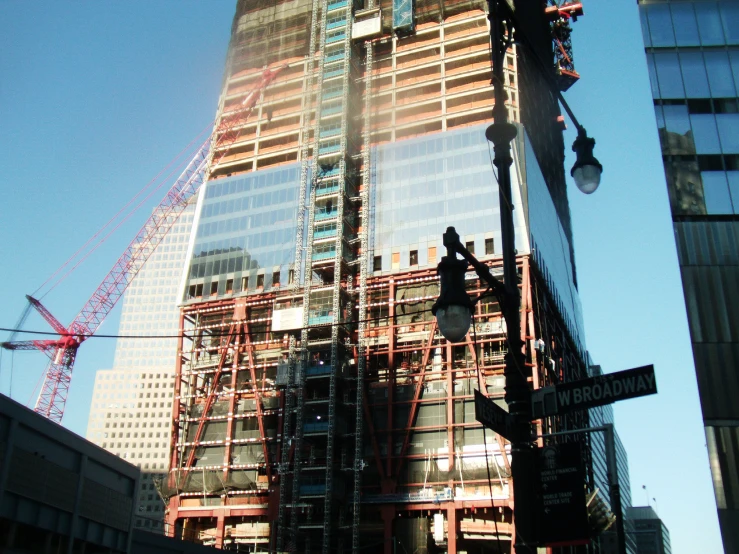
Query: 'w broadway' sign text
596	391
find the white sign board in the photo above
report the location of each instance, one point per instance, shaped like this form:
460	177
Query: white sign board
367	27
288	319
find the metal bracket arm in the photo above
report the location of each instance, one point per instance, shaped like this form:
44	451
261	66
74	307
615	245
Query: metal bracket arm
453	245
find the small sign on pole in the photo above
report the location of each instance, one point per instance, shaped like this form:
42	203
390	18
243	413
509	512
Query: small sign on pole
563	517
493	416
592	392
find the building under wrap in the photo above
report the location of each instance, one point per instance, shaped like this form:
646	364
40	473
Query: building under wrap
317	407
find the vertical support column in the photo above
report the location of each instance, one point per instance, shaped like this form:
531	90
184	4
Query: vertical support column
388	516
74	520
451	540
391	377
450	417
220	529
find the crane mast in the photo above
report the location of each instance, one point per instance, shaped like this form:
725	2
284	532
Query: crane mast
63	351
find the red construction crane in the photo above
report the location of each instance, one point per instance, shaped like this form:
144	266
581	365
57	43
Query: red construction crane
63	351
560	17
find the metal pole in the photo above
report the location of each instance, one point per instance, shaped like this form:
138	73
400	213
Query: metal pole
517	394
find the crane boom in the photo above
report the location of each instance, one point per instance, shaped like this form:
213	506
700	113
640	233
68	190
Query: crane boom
148	238
63	352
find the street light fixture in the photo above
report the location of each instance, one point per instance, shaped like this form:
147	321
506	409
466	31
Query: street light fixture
587	170
453	308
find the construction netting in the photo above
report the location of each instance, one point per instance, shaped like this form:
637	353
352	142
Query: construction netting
206	481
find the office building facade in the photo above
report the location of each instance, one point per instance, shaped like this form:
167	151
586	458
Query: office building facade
693	56
650	533
131	408
316	406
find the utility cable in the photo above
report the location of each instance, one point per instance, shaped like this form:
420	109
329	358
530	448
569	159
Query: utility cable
257	328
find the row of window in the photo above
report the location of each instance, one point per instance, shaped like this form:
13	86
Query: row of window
164	417
134	445
690	24
413	255
708	74
248	282
683	132
249	182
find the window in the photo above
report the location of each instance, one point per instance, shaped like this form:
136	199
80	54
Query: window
705	134
260	281
709	24
720	77
291	277
377	263
716	192
489	247
694	74
413	258
229	286
669	76
276	279
214	288
432	254
660	25
728	130
470	245
244	283
684	24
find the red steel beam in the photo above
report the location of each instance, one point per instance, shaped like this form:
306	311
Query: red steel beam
416	395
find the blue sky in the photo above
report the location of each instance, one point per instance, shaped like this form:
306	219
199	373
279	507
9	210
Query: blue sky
97	97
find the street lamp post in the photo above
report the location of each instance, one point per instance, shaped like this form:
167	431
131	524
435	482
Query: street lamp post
454	308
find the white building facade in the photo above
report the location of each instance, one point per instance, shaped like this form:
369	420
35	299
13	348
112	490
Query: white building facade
131	408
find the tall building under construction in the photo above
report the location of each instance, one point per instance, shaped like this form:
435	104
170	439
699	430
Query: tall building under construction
316	405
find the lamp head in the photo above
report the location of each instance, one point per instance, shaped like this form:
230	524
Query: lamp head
587	170
453	308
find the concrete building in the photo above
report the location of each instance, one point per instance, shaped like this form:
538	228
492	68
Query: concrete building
131	409
693	56
58	492
650	534
61	494
316	406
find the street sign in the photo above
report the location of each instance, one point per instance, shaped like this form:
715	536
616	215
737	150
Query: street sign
592	392
563	516
493	416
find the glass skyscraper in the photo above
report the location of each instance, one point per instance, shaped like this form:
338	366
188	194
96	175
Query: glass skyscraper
692	51
316	405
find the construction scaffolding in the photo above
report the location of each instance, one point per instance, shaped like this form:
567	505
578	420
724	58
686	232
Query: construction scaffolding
422	453
325	412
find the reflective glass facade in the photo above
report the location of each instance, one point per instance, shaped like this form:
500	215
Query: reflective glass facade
245	233
652	537
550	246
693	58
427	184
